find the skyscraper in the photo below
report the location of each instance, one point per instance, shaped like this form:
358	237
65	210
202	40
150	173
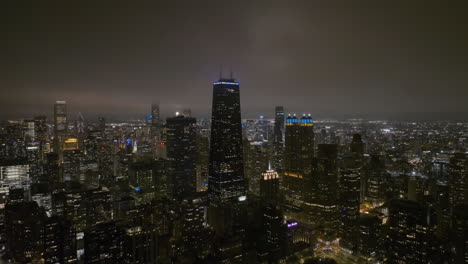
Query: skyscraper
324	191
156	131
181	151
409	235
155	112
226	183
349	194
279	124
269	187
278	142
60	118
226	166
298	155
60	126
155	117
40	127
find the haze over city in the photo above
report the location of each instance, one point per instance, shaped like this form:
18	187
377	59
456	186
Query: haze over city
336	58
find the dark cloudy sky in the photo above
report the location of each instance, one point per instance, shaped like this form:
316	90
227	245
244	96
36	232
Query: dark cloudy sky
329	58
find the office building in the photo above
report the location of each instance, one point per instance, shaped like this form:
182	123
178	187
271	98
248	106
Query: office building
182	155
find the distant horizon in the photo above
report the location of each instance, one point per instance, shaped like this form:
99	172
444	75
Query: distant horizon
165	113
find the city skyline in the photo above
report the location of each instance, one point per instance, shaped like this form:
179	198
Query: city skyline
396	61
231	132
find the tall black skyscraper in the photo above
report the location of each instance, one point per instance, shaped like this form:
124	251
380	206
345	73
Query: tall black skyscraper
226	168
226	183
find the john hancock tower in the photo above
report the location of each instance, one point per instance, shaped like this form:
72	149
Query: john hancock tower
226	183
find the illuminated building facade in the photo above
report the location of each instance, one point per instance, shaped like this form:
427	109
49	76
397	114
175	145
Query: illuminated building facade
15	175
269	187
29	130
298	155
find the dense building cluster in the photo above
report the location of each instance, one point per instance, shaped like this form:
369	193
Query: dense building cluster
232	190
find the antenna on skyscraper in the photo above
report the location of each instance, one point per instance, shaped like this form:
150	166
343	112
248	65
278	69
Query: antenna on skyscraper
220	71
232	74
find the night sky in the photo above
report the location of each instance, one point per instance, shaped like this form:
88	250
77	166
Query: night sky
396	59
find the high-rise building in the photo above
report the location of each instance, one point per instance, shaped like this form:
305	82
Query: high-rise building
375	180
323	195
23	224
458	179
60	119
59	241
15	175
226	183
60	127
182	154
273	241
140	244
226	166
29	130
34	155
279	124
409	234
256	155
269	187
369	230
349	202
72	159
157	133
278	142
103	243
193	235
459	234
40	127
141	178
298	156
155	117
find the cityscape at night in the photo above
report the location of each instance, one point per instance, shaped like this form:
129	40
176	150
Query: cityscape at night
272	132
